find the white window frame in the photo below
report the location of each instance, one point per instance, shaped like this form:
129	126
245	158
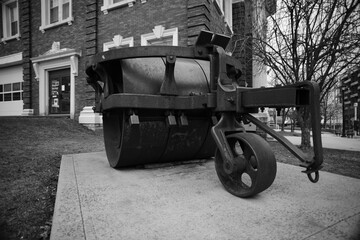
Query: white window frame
118	41
7	22
109	5
11	92
160	32
45	15
225	9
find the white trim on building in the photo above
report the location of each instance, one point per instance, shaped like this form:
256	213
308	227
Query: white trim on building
118	41
225	9
12	59
161	35
11	78
10	20
55	59
111	4
52	16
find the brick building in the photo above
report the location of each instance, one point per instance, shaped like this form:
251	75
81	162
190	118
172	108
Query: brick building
46	44
350	95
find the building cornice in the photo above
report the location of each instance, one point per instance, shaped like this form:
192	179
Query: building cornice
61	54
11	60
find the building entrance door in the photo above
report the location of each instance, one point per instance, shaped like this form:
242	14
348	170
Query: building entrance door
59	91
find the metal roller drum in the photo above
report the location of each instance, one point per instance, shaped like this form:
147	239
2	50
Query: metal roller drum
158	135
170	103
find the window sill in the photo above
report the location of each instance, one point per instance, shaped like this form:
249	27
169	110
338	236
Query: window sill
106	8
68	21
6	39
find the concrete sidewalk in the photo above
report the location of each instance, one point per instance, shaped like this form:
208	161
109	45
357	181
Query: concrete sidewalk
332	141
95	201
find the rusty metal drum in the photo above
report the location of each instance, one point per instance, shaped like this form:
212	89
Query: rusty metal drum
170	103
143	136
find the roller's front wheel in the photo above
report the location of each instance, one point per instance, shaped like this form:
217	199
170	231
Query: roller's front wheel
255	161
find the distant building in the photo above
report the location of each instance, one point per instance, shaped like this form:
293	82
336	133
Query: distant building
350	93
45	45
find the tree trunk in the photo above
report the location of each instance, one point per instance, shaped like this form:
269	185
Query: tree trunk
274	117
325	120
305	125
283	120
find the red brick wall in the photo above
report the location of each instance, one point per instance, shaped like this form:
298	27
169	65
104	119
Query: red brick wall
204	15
22	45
188	16
141	19
12	46
91	28
69	36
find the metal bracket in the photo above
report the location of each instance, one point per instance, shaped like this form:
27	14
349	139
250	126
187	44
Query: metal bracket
210	38
311	92
168	87
286	143
93	81
226	125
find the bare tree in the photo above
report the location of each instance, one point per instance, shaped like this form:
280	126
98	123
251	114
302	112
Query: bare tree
310	40
330	107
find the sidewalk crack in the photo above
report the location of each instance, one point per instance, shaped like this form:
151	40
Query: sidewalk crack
78	193
330	226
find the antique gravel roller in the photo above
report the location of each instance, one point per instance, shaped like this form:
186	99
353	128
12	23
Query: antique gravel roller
166	103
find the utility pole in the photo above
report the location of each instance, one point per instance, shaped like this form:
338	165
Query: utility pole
355	118
355	111
343	110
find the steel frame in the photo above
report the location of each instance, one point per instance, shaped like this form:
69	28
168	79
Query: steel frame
226	96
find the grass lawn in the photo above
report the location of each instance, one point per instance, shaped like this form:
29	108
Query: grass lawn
30	154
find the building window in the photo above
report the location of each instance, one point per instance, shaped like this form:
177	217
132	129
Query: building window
160	36
55	12
11	92
118	42
225	9
111	4
10	20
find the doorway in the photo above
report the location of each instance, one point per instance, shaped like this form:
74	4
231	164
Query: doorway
59	91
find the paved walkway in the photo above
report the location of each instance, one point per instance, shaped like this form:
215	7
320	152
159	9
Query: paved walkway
332	141
183	202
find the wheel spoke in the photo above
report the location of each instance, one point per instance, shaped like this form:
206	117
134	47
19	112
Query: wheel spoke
253	162
247	151
251	172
